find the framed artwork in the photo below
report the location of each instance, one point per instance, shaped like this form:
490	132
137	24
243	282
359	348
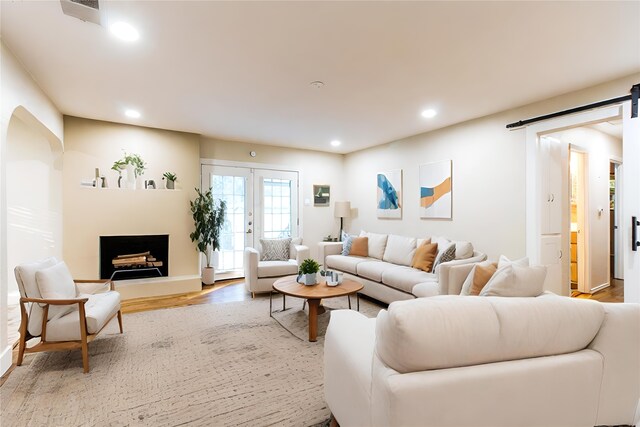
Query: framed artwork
389	198
321	195
435	190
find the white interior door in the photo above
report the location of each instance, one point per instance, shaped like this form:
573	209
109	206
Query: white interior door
630	202
234	186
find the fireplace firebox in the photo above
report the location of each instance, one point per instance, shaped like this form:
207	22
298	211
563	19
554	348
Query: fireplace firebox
134	257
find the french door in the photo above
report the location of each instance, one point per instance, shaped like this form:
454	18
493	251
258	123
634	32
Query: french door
261	203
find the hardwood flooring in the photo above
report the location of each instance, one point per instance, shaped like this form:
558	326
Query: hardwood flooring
613	293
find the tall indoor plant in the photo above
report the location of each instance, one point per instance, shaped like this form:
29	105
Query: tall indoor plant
208	218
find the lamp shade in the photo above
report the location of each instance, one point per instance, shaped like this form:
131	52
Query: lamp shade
342	210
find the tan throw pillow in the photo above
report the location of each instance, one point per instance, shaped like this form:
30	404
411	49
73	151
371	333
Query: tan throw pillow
360	246
481	276
425	256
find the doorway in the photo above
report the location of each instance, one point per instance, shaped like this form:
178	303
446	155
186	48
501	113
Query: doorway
578	226
261	203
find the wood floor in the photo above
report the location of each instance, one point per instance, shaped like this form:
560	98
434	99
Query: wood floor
613	293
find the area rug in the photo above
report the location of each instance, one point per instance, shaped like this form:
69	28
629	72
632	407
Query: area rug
224	364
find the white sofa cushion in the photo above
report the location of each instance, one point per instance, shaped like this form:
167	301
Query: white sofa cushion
405	278
277	268
55	282
377	244
344	263
465	331
464	250
400	250
516	281
26	278
503	261
373	269
98	310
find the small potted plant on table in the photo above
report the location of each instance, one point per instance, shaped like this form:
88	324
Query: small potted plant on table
308	271
208	217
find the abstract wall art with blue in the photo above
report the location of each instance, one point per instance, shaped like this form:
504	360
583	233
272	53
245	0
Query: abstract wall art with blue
389	199
435	190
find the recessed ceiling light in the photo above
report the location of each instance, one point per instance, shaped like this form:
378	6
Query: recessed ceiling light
134	114
429	113
124	31
335	143
317	84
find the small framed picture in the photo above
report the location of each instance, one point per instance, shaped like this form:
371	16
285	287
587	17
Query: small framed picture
321	194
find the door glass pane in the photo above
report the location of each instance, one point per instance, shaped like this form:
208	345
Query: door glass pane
277	208
231	189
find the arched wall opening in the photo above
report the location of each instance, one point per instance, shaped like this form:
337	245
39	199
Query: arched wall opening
33	162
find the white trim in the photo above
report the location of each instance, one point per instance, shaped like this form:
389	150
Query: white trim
599	287
251	165
532	186
5	359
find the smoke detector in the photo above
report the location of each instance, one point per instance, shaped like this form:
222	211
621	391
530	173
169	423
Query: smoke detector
317	84
85	10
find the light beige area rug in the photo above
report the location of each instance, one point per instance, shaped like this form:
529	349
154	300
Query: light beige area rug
215	365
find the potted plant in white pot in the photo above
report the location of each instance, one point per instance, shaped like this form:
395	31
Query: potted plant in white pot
171	180
308	272
133	164
208	217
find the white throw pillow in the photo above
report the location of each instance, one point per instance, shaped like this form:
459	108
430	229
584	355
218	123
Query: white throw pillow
56	283
516	281
377	244
468	282
464	250
503	261
400	250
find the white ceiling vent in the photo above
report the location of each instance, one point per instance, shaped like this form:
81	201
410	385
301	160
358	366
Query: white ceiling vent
85	10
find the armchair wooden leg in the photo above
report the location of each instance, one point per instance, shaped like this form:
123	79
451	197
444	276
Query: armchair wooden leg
83	339
120	320
24	320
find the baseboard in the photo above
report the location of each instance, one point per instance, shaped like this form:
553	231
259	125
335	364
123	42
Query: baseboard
5	359
599	287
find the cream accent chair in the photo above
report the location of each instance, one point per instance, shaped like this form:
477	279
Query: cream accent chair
260	275
454	360
71	316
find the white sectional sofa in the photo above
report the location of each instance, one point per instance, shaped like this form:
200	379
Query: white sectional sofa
485	361
387	274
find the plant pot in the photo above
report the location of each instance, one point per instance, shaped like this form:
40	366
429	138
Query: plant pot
309	279
171	184
208	275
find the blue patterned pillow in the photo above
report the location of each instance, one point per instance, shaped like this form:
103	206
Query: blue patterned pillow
346	245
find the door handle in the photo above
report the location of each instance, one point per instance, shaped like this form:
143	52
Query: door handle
249	231
634	233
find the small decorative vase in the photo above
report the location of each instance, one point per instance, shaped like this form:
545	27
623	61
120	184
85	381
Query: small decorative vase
309	279
171	184
131	177
208	275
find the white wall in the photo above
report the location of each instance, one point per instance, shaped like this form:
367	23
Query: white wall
315	168
489	165
34	199
600	149
20	96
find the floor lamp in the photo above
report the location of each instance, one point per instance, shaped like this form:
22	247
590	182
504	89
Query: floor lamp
342	210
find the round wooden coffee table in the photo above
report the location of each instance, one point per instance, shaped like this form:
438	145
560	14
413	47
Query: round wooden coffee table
313	294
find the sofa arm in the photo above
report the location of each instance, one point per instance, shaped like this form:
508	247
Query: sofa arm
451	277
302	253
251	259
348	354
328	248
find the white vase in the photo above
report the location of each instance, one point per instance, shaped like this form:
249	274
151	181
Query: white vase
309	279
131	177
208	275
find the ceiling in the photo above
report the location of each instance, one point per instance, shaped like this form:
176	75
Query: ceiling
242	70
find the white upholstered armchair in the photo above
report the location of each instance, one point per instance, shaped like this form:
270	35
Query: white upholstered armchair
66	314
259	274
